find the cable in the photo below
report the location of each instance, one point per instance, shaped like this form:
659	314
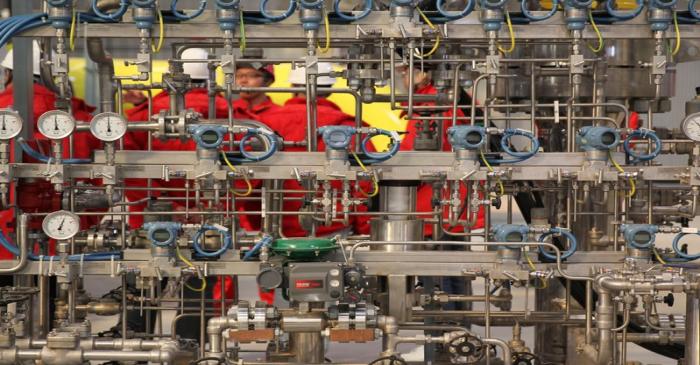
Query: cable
642	133
679	252
191	265
161	34
633	185
437	38
95	256
374	157
353	18
71	35
38	156
264	241
183	16
691	9
452	15
123	6
276	18
658	257
20	23
327	24
510	132
248	157
498	179
374	180
511	33
597	32
533	268
573	244
526	12
198	236
243	42
620	15
677	29
245	177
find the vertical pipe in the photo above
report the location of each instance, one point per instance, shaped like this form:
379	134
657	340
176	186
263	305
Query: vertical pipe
692	328
202	322
308	347
125	312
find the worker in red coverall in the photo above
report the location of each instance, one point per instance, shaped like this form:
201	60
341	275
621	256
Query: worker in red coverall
423	86
39	195
290	123
254	105
196	99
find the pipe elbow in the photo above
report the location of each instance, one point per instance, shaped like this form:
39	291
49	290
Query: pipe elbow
217	324
388	325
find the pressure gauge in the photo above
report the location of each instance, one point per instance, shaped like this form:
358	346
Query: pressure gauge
10	124
56	124
691	126
108	126
61	225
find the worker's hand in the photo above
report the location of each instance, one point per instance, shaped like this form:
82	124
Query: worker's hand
134	97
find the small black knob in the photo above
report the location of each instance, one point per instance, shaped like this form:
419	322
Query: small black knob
669	300
335	294
496	203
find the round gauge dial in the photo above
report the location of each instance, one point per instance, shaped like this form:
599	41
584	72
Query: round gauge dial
691	126
108	126
10	124
61	225
56	124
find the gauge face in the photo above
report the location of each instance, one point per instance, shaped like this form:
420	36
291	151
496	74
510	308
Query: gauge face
10	124
61	225
56	124
108	126
691	127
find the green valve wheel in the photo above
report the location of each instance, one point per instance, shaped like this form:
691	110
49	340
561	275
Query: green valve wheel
303	248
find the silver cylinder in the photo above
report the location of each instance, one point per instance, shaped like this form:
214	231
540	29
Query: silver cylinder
391	230
398	198
307	347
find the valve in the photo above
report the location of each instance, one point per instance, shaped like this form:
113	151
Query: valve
467	137
524	358
466	349
639	236
597	138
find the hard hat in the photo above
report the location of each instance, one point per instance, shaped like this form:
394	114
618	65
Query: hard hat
196	70
298	75
267	69
8	61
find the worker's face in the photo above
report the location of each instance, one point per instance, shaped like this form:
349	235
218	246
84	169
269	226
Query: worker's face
7	77
420	78
250	77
